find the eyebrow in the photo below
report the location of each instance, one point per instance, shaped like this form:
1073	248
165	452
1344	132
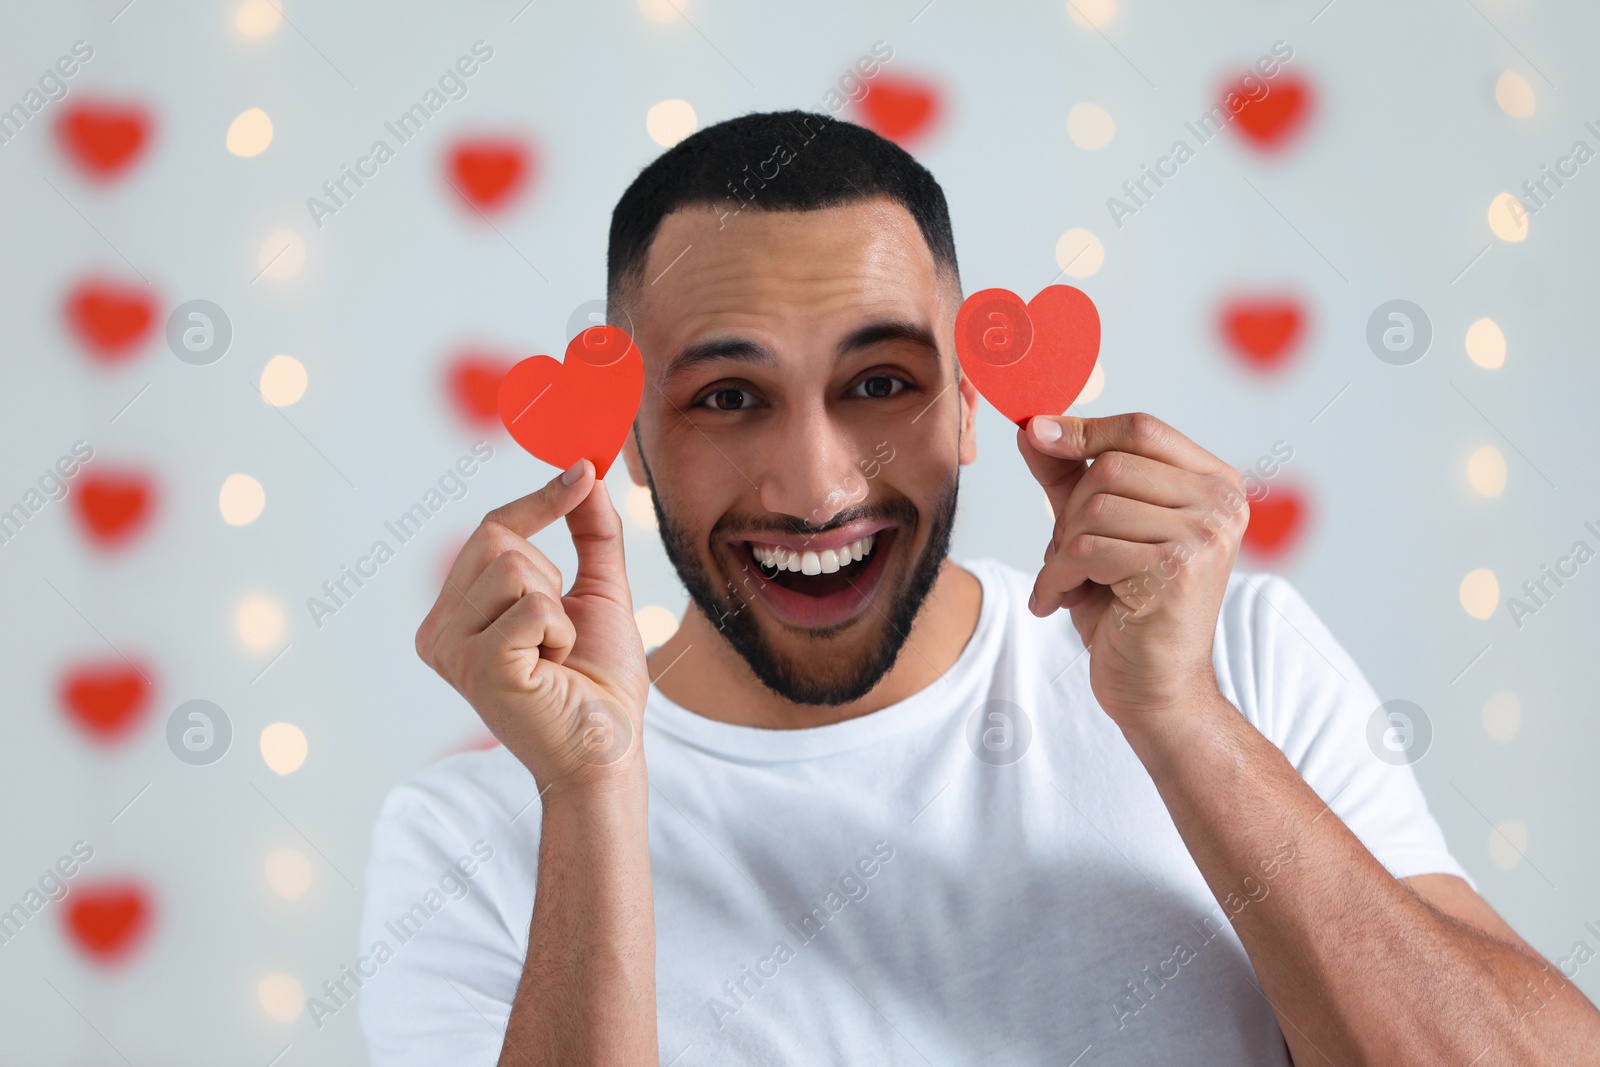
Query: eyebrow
741	350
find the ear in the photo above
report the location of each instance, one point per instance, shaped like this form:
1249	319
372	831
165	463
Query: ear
630	456
969	411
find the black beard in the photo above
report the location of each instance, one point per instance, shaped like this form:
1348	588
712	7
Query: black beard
800	683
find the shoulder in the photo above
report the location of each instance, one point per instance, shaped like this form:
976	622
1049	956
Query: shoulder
456	799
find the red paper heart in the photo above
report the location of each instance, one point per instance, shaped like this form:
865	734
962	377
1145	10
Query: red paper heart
111	319
899	108
102	138
1276	523
105	700
108	921
1263	331
1269	123
490	172
113	506
473	381
579	408
1031	359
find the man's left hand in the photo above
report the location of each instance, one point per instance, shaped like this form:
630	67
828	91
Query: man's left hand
1144	540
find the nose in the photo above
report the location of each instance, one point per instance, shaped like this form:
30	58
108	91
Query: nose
811	470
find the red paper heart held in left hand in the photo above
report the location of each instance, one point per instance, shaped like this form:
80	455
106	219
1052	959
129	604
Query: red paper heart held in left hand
1028	359
580	407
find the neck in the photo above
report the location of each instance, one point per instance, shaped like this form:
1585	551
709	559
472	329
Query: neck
699	670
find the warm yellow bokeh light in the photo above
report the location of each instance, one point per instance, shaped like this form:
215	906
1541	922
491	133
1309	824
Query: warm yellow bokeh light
241	500
282	998
1514	95
1508	843
670	122
1486	344
283	747
257	18
260	623
283	381
288	872
1480	593
656	625
640	508
1092	13
662	10
1486	471
1502	717
1093	387
250	133
1090	126
1079	252
282	255
1508	218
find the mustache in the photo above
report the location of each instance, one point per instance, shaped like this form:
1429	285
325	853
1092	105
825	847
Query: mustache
900	511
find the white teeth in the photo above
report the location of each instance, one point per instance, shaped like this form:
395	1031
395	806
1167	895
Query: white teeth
828	561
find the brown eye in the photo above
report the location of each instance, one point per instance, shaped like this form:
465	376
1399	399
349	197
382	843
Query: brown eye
880	386
728	399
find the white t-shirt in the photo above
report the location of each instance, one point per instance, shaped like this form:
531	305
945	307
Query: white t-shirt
980	873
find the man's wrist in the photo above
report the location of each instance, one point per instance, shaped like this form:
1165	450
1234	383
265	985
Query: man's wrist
1164	740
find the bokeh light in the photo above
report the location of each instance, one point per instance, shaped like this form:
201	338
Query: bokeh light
1486	344
283	747
1092	13
1090	126
1508	844
1508	218
1079	252
250	133
283	381
257	18
281	997
663	10
656	625
282	255
241	500
670	121
1514	95
1094	386
1502	717
288	872
1486	471
1480	593
260	623
641	510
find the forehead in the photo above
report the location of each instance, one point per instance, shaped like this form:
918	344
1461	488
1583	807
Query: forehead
811	273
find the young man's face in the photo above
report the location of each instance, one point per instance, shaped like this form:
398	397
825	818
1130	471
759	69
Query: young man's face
802	407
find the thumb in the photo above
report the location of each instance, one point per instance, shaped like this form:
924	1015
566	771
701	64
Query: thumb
1059	475
596	530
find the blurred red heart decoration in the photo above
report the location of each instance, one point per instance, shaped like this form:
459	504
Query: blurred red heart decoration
1271	122
1263	331
1028	359
111	319
900	108
473	381
580	407
108	921
113	506
489	172
105	700
102	138
1276	523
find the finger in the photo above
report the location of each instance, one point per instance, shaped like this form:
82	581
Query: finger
535	627
1058	476
1139	478
597	535
496	534
528	515
1124	518
1089	557
1135	432
509	578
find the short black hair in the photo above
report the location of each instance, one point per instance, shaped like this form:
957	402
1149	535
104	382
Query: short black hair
821	162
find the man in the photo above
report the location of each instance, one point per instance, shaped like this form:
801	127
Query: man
899	810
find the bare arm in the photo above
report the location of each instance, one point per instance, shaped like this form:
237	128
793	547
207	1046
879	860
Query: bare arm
561	681
1359	967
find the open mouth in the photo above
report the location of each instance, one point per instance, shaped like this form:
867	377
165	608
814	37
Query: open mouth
809	586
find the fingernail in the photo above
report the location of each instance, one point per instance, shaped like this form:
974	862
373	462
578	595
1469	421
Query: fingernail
1032	598
1046	430
1049	550
572	474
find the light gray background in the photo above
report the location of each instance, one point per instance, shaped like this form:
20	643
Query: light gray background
1383	197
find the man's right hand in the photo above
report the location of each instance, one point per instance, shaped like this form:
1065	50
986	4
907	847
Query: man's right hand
560	680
